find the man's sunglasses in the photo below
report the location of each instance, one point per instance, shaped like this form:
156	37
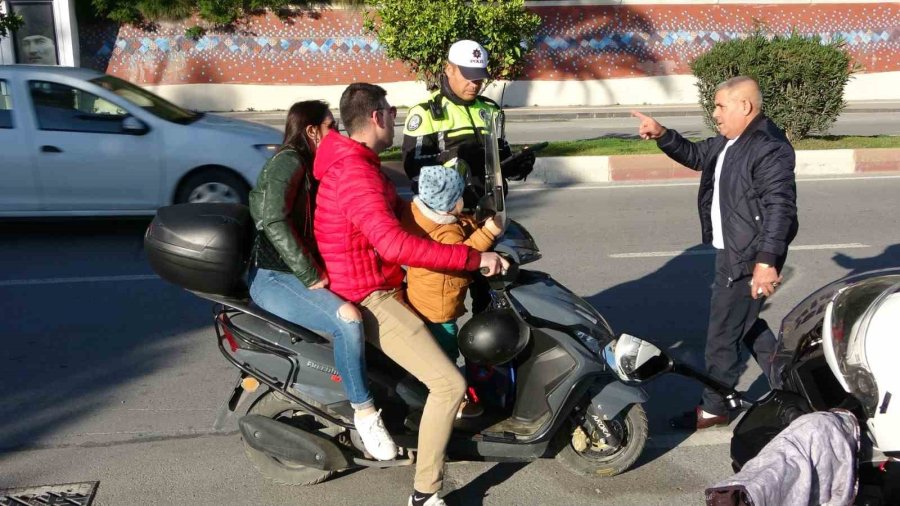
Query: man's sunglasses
392	110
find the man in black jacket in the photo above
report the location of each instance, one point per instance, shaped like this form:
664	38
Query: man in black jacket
748	212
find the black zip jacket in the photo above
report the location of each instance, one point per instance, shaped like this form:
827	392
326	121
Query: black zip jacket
757	192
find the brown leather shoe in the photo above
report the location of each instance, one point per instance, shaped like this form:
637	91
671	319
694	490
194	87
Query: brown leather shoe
691	420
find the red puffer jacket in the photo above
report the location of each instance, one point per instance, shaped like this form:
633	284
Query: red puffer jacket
357	228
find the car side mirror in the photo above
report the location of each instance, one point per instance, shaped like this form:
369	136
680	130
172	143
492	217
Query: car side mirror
134	126
636	360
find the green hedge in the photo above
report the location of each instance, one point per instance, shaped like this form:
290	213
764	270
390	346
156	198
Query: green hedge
802	78
420	33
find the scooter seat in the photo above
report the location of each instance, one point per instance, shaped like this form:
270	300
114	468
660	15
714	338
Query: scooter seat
246	305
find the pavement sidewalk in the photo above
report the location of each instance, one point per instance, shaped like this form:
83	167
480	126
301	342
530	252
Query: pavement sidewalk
276	118
660	168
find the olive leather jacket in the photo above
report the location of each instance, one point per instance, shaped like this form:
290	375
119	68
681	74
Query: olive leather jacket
282	208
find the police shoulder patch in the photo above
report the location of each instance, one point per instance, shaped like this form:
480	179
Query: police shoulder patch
413	122
484	115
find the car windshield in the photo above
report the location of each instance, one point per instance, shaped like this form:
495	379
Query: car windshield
151	103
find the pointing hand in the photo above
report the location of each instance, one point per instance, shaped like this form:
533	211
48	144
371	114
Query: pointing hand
649	127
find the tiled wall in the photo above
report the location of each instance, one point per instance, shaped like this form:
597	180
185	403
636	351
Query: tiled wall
574	43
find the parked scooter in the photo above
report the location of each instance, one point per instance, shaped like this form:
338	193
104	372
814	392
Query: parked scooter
558	396
833	351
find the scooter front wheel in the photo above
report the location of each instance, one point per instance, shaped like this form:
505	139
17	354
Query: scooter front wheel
277	407
589	455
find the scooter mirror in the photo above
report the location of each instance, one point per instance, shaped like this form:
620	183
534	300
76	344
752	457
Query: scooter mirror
636	360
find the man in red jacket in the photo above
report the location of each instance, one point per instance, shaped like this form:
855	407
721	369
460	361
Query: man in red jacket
363	247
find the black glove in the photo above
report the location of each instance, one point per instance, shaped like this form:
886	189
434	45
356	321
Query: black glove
519	169
504	150
446	156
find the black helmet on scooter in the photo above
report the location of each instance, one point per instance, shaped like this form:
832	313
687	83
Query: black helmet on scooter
493	337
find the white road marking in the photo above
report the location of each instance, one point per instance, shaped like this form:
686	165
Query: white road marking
613	186
88	279
851	245
805	247
604	186
652	254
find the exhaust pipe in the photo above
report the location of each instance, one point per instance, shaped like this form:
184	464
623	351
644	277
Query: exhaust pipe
288	443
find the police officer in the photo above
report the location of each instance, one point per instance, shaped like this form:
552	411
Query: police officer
452	123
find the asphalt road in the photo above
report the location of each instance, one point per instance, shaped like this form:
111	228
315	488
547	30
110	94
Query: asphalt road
110	374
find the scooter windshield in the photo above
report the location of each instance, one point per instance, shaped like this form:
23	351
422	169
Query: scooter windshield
494	200
844	330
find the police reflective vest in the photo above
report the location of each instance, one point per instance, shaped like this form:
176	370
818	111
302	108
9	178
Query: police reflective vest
439	130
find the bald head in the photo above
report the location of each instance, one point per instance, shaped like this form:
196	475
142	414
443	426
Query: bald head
738	102
743	88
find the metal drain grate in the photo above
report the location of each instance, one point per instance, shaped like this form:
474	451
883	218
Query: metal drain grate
64	494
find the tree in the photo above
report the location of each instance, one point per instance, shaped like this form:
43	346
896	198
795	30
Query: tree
218	13
802	78
420	33
9	23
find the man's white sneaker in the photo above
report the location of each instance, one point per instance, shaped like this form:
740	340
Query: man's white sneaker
434	500
375	437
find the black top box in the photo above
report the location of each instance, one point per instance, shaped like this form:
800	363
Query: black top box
202	247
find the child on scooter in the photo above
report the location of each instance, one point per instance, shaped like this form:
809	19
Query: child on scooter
438	296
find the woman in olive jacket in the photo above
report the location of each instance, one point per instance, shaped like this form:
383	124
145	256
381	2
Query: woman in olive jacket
287	277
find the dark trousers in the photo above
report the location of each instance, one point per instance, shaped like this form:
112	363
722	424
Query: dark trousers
733	319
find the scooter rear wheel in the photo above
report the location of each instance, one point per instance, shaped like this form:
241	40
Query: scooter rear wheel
285	472
593	457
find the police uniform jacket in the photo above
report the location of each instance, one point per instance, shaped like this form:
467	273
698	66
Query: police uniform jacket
444	128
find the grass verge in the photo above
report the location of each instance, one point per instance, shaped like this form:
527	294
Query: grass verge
606	146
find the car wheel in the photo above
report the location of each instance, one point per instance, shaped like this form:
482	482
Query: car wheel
213	186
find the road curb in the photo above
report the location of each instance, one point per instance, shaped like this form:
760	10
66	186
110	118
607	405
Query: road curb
634	168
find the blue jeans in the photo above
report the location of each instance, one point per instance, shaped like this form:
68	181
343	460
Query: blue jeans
283	295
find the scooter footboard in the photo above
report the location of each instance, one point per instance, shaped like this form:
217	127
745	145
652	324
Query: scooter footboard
614	397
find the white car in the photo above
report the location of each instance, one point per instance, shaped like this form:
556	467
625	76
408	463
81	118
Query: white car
76	142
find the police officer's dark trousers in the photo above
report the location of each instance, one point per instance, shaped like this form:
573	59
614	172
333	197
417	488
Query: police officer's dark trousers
733	319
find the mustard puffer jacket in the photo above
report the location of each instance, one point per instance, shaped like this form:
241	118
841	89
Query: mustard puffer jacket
438	296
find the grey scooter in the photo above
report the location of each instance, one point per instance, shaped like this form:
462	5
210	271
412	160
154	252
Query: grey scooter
293	414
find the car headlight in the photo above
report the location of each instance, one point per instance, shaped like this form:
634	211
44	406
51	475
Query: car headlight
267	149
